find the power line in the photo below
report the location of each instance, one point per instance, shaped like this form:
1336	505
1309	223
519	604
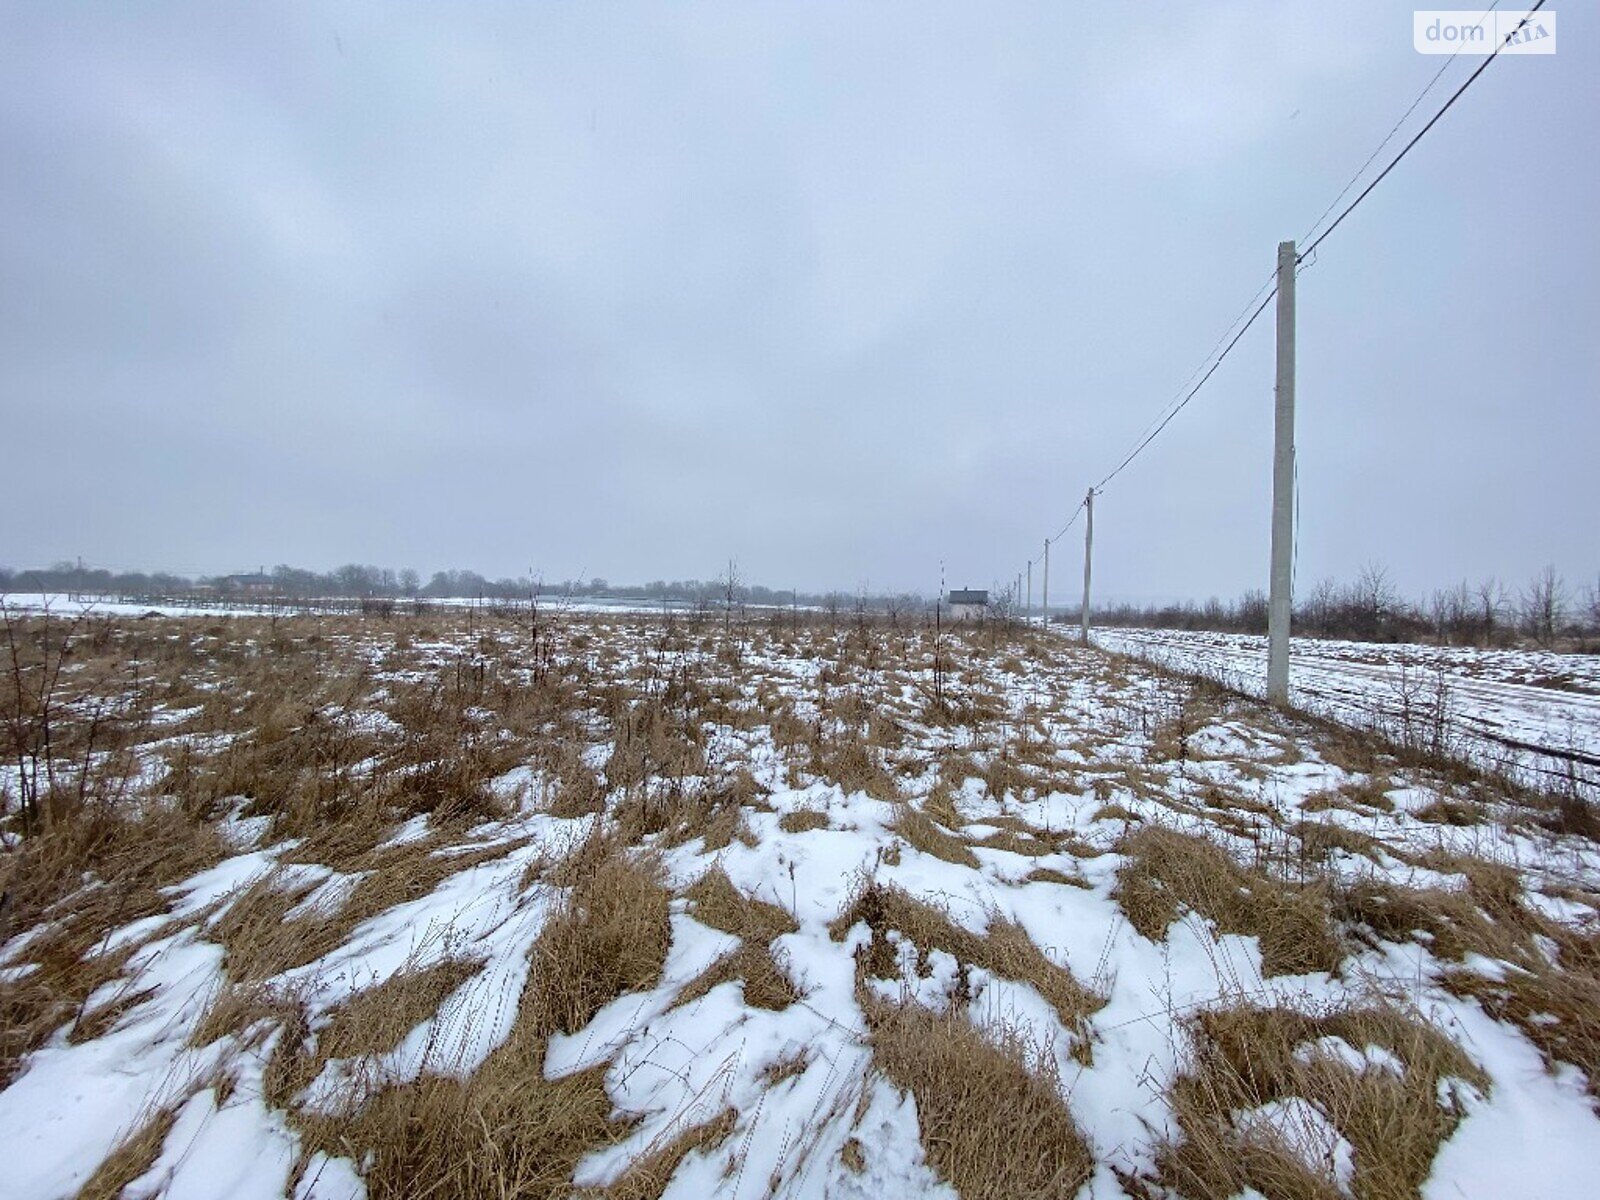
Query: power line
1070	521
1134	453
1216	360
1173	411
1249	304
1387	138
1434	120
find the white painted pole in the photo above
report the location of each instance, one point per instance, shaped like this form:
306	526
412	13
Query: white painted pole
1088	558
1278	602
1044	600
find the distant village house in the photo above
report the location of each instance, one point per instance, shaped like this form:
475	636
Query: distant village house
968	605
255	583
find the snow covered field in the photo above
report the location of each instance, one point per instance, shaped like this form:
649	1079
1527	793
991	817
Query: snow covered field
64	605
1534	713
633	908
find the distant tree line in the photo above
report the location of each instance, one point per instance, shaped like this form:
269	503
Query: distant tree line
1546	611
355	581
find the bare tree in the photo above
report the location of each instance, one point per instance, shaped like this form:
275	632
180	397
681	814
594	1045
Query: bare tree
1490	601
1251	612
1373	597
893	605
1448	610
1321	607
1003	603
1544	603
731	587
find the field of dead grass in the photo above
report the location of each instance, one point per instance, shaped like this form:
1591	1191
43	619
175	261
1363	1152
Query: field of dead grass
532	905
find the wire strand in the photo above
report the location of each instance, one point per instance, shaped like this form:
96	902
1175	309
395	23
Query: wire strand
1388	137
1070	521
1193	392
1434	120
1173	408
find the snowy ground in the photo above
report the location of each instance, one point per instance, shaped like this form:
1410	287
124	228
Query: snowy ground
998	782
1532	712
63	605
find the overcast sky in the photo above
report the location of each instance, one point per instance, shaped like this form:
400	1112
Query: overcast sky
839	290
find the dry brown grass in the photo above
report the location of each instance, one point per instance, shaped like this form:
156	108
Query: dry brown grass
1246	1057
1051	875
1554	1001
1201	705
289	696
1450	922
1017	842
788	1067
1556	1005
1004	777
1166	872
1448	811
255	1006
611	937
716	902
506	1130
260	942
1321	839
853	763
763	982
1370	792
377	1019
1004	949
940	805
802	820
578	790
993	1122
652	743
927	835
649	1175
130	1158
79	880
677	811
853	1156
103	1017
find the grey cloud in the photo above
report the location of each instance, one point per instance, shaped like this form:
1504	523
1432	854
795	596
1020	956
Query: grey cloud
840	291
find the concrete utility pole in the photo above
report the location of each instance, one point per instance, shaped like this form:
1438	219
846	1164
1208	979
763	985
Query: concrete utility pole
1044	600
1282	486
1030	591
1088	558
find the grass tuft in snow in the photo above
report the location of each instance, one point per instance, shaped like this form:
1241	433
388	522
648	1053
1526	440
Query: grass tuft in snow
1003	949
1166	871
1246	1059
991	1116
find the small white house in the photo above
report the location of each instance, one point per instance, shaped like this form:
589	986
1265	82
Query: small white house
968	605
